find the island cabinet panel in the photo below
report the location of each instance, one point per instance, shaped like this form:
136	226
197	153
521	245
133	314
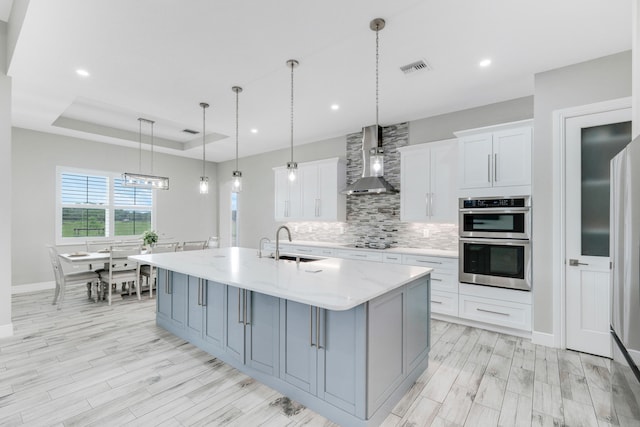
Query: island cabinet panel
417	323
298	354
205	312
342	358
172	299
251	326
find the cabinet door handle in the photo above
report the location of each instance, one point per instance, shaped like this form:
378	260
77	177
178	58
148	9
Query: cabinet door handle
247	320
317	207
311	344
435	301
436	280
495	167
199	291
426	204
239	320
166	282
204	293
318	313
489	167
493	312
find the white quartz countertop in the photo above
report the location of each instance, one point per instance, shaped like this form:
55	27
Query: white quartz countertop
330	283
413	251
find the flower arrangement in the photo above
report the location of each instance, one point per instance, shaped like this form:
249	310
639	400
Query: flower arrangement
150	237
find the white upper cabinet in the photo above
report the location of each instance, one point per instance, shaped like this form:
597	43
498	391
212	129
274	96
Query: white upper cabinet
315	195
495	157
428	181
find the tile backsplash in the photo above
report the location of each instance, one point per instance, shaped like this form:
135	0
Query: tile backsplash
376	217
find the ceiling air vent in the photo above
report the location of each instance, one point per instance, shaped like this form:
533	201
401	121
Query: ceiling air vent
191	131
416	66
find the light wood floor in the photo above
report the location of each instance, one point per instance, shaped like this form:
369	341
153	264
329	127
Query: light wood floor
91	364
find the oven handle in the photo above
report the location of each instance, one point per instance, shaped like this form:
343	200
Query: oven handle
505	242
494	210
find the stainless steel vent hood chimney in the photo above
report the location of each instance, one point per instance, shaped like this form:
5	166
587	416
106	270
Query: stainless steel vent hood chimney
372	181
367	184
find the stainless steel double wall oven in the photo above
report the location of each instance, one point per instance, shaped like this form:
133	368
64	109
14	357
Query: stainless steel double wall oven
495	246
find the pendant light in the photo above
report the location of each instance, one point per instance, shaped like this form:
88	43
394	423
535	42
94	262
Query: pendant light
376	160
292	167
204	180
236	187
139	179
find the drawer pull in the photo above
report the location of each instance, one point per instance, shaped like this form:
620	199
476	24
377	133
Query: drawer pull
360	255
428	262
436	280
436	301
494	312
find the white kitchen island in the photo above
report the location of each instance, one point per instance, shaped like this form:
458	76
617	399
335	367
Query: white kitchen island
345	338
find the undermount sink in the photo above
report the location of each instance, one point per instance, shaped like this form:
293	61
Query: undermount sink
297	258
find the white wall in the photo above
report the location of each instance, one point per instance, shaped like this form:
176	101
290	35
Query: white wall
5	177
579	84
182	213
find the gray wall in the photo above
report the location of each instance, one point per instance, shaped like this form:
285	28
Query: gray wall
579	84
441	127
5	177
182	213
257	198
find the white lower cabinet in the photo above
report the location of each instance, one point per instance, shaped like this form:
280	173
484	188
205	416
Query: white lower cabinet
360	255
444	281
497	306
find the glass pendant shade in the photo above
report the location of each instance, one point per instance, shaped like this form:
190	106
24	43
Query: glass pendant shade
292	170
376	161
236	186
204	185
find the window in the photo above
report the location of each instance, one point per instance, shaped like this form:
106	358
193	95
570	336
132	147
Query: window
234	219
94	204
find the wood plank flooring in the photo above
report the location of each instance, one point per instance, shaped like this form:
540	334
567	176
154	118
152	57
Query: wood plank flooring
91	364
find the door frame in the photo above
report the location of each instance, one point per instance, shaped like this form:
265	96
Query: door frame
560	118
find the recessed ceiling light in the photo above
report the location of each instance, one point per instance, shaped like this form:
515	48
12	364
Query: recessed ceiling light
335	107
485	63
82	73
254	130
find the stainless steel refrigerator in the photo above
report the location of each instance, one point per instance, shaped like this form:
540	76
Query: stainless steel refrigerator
625	256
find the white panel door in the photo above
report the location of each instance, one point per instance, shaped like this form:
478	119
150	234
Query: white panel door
512	157
591	141
443	201
414	183
475	153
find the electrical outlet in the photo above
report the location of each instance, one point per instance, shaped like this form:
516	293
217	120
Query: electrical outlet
295	228
425	232
341	230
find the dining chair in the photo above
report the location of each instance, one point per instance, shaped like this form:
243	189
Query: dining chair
98	246
194	245
148	271
121	271
89	278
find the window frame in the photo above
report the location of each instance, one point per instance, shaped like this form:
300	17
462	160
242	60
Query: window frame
110	207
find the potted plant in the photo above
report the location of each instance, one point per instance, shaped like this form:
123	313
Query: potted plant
149	238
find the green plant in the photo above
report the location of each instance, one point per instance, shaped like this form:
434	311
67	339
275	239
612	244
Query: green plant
149	237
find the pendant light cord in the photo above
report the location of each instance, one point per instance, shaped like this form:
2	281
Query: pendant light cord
139	145
204	133
292	66
237	101
377	61
152	122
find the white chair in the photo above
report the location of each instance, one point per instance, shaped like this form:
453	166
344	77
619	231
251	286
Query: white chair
194	245
149	272
120	270
89	278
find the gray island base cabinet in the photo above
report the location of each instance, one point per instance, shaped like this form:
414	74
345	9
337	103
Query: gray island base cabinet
351	366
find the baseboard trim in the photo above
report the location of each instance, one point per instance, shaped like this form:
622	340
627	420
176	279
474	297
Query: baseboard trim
543	338
33	287
6	330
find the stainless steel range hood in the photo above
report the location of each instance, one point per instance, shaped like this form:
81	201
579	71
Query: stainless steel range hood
367	184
